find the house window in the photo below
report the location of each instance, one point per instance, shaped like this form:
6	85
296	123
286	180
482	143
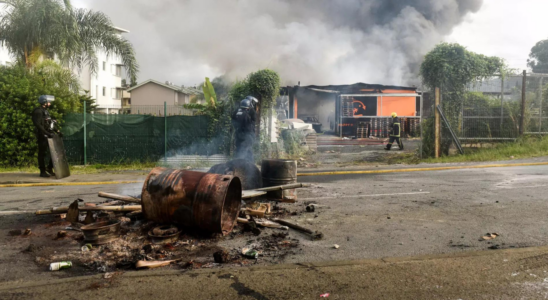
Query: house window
117	70
104	91
104	66
116	93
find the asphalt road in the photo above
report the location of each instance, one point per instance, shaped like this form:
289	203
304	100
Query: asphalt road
372	216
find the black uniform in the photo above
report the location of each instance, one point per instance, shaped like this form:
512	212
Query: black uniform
42	123
395	133
243	121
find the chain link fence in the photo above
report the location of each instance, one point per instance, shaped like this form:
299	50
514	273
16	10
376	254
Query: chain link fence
492	108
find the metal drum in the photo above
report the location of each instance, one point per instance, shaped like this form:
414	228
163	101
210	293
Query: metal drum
280	172
208	202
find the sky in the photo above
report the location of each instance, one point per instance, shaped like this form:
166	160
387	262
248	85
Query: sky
504	28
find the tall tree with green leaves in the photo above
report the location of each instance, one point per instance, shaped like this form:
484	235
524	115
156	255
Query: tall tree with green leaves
33	30
451	67
538	58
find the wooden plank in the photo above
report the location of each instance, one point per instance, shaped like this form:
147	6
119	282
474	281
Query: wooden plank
252	194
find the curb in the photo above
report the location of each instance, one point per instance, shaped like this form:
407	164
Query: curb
421	169
17	185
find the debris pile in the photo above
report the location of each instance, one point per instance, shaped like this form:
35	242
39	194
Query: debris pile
168	226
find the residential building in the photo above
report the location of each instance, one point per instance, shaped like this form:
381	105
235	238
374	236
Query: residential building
152	93
106	84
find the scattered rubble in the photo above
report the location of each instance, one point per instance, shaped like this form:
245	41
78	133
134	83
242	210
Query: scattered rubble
111	236
490	236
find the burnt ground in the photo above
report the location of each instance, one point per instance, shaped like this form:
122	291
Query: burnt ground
193	250
334	152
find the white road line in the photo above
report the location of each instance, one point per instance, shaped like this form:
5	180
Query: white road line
520	187
15	212
359	196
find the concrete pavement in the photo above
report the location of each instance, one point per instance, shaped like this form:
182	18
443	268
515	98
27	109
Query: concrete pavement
372	217
501	274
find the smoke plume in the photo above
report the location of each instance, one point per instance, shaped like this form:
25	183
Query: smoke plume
312	41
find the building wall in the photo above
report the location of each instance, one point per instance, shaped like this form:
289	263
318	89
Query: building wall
153	94
403	106
105	79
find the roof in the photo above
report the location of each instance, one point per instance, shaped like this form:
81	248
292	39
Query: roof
356	88
184	90
359	87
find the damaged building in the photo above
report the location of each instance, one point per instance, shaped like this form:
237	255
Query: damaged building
358	110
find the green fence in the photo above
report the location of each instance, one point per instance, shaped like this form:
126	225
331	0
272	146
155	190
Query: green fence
96	138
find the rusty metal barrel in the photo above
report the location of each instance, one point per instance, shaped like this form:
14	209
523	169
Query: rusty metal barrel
280	172
208	202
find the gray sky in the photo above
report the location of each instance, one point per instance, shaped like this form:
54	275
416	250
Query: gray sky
505	28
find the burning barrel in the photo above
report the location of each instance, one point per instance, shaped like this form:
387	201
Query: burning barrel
209	202
280	172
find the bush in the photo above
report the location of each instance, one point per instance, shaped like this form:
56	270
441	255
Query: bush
19	92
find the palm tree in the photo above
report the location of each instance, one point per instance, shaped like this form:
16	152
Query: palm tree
32	30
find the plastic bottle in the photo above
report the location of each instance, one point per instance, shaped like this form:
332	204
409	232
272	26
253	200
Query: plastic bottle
60	265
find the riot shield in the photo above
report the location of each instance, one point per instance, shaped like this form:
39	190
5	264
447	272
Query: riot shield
58	157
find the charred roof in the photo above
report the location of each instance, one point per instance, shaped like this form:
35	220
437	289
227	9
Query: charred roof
356	88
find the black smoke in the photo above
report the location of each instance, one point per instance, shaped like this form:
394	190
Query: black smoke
312	41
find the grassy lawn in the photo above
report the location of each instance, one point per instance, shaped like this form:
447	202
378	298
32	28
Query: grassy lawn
526	147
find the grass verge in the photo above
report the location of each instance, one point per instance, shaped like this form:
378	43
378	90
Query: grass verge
526	147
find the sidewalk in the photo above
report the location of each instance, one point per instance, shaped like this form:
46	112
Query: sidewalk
499	274
21	178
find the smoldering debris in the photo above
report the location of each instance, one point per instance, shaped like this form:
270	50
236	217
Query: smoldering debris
143	235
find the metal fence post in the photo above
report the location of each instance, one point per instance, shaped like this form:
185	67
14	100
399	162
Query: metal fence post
501	101
540	105
437	125
85	136
523	96
420	123
165	132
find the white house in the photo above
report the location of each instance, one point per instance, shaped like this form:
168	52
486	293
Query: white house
106	84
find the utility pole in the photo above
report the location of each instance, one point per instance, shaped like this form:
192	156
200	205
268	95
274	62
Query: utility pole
523	98
437	127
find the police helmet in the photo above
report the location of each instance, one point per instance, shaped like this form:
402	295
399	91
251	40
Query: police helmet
45	99
246	103
394	115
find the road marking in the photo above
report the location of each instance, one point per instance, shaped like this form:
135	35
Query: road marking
422	169
15	212
520	187
359	196
64	184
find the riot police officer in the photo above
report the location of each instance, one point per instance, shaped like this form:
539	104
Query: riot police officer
395	132
243	120
44	129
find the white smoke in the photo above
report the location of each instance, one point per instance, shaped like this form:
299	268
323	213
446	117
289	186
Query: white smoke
312	41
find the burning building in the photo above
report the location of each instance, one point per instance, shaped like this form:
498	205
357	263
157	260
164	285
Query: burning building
359	110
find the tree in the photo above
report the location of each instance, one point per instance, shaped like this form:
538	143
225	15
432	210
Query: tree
33	30
91	106
451	67
538	58
19	92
